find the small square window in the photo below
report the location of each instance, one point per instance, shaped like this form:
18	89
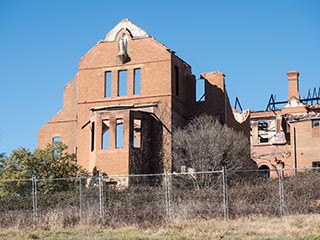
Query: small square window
316	123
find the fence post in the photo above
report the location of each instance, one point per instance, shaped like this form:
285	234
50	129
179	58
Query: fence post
80	197
225	193
281	195
34	200
101	210
167	195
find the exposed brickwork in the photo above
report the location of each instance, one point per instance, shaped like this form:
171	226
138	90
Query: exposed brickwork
162	104
286	134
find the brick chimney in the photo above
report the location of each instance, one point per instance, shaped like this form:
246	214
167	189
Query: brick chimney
293	85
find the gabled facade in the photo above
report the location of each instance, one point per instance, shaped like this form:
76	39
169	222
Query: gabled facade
287	137
129	93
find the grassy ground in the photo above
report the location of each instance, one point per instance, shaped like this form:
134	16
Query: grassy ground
300	227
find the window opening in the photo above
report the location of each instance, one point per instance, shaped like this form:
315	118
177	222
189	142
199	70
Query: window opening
263	125
176	75
119	133
122	83
92	136
136	81
55	140
105	134
263	128
136	133
200	90
264	171
108	84
264	139
316	123
316	164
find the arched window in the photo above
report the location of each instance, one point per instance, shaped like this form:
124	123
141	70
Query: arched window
55	141
264	171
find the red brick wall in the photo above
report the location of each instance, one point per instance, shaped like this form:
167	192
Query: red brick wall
86	92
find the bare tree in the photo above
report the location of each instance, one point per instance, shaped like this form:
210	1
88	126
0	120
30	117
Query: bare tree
206	145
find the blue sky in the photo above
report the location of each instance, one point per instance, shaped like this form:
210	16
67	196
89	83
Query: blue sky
255	43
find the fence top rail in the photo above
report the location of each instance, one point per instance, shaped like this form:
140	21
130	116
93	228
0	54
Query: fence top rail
191	173
155	175
135	175
110	176
272	170
56	179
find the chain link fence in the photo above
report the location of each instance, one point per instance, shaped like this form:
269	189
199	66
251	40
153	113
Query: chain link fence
151	200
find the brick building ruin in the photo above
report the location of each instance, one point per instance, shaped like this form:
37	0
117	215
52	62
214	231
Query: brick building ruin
130	91
287	133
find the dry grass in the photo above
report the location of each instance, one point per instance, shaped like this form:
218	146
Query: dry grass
291	227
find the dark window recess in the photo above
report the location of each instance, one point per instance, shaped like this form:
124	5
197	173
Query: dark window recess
176	78
264	171
316	123
263	125
316	164
108	84
264	139
92	136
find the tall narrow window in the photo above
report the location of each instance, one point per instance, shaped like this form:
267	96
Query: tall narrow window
55	140
119	133
92	136
122	83
105	134
136	133
107	84
176	78
136	81
200	90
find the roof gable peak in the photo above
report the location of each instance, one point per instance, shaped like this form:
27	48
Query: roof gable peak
125	24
